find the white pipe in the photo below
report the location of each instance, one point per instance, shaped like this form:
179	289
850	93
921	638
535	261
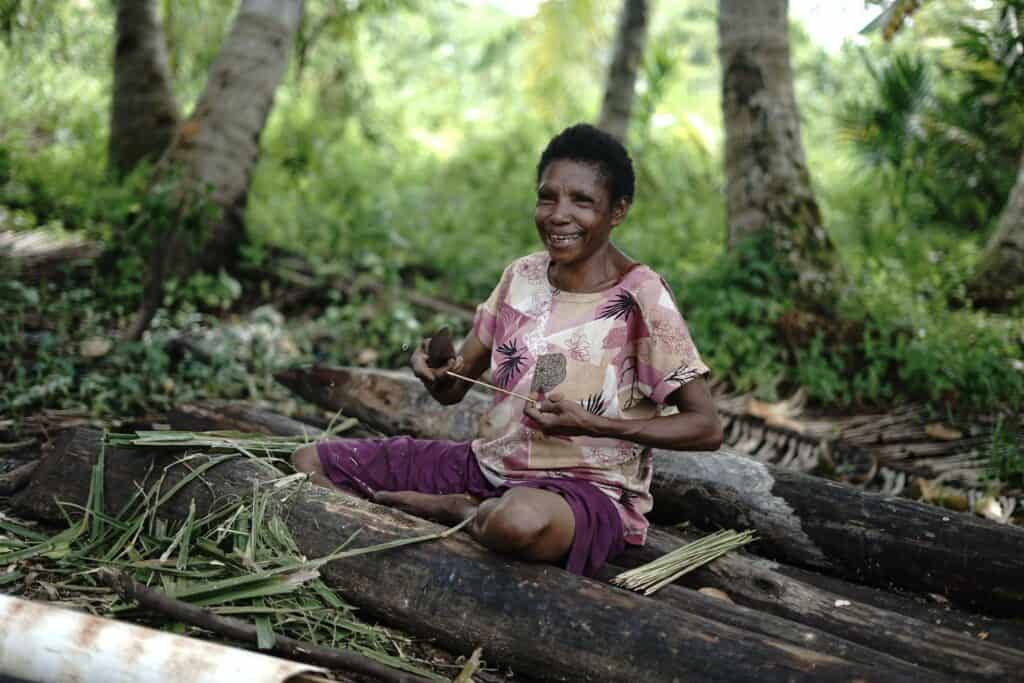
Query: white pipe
44	644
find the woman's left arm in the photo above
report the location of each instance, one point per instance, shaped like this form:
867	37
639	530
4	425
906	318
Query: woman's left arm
695	427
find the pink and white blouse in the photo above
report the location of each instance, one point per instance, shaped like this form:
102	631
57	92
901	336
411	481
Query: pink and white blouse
619	353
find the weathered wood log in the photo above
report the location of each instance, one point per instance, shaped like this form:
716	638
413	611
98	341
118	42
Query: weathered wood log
39	254
800	519
16	479
764	585
245	417
545	622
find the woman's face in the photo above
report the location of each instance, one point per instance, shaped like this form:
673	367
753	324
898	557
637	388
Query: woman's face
574	215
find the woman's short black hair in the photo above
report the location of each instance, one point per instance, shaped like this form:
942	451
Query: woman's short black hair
588	144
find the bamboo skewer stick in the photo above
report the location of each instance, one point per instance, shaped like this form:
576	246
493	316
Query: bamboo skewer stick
528	399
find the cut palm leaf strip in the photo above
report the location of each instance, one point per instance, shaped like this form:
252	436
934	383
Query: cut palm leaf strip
657	574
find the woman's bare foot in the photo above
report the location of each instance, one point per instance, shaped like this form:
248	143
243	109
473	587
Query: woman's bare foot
446	509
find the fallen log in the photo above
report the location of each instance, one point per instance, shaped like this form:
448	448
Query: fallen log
545	622
800	519
761	584
42	642
244	417
764	585
40	254
16	479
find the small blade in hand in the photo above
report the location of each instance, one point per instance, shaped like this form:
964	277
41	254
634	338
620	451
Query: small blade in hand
440	348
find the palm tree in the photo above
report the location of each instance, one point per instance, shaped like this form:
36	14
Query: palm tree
621	83
999	278
206	171
144	113
768	184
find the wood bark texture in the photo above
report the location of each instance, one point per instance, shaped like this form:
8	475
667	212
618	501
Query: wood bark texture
800	519
999	280
210	163
144	113
545	622
768	184
620	86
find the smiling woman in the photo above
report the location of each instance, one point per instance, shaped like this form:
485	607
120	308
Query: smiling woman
597	342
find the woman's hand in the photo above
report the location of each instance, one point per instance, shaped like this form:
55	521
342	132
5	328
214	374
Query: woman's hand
433	378
557	416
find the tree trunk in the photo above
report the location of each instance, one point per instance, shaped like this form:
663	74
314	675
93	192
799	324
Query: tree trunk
210	162
903	628
621	84
545	622
800	519
768	185
144	113
999	279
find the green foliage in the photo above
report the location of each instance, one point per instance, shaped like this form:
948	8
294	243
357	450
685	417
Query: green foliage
890	344
402	152
732	308
72	361
1005	453
941	132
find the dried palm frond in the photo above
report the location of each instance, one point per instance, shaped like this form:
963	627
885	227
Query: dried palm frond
658	573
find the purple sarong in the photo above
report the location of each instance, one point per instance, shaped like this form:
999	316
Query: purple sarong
402	463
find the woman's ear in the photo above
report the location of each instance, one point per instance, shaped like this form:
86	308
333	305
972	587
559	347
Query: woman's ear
619	211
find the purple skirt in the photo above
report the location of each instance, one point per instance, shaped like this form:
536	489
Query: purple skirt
402	463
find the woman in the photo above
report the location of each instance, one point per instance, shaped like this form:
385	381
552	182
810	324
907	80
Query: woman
598	340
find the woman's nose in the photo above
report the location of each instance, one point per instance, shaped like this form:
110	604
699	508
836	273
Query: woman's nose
562	210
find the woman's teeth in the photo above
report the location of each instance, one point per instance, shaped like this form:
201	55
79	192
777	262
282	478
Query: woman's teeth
563	240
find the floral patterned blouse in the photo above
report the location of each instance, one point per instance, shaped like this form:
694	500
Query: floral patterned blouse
619	352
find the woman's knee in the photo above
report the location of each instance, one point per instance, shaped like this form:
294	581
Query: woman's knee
306	459
510	523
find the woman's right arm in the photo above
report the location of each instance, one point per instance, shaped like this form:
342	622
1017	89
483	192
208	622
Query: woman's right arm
472	360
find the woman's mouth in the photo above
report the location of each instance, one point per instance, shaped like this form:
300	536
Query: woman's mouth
558	240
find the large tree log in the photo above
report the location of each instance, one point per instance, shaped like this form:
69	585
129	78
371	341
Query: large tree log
901	629
244	417
545	622
761	584
800	519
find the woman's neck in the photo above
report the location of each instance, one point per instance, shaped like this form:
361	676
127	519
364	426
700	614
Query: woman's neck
599	272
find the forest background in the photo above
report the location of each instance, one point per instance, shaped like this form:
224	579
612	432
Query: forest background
399	158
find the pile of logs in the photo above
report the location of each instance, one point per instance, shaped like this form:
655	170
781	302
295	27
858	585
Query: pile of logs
803	608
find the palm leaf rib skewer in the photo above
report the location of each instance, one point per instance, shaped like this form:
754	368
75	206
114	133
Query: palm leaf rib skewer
526	398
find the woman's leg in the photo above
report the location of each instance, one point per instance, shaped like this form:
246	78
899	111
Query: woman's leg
305	459
530	523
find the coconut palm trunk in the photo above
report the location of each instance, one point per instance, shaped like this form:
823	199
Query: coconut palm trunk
768	184
621	83
999	279
210	162
144	113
